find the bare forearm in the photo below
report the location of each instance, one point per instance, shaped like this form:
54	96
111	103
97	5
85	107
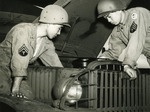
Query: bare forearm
16	84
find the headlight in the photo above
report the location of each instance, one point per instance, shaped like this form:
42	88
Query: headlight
74	92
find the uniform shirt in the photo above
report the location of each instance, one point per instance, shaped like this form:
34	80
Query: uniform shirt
19	46
133	34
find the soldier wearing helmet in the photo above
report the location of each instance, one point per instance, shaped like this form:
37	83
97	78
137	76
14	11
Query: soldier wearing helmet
131	33
26	42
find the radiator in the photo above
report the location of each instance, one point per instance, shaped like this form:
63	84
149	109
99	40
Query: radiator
42	80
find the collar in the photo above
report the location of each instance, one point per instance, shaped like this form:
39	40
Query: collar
125	17
124	20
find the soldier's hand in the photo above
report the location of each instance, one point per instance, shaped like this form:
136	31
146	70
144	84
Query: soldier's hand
131	72
18	95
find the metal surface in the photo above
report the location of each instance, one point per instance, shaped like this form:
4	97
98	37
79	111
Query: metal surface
69	34
82	62
23	105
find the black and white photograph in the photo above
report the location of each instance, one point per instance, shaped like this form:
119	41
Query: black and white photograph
74	56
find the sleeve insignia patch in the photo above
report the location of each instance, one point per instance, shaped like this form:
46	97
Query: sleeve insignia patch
133	27
134	16
23	50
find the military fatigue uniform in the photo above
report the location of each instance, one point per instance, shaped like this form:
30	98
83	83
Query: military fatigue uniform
133	34
19	49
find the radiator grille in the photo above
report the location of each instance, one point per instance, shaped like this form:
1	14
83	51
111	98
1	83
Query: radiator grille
107	91
116	94
42	80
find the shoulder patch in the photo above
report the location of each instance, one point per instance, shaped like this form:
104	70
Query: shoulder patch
23	50
134	16
133	27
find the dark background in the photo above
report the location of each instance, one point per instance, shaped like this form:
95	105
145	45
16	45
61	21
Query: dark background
26	6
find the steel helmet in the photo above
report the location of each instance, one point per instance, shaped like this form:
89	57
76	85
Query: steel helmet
107	6
54	14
